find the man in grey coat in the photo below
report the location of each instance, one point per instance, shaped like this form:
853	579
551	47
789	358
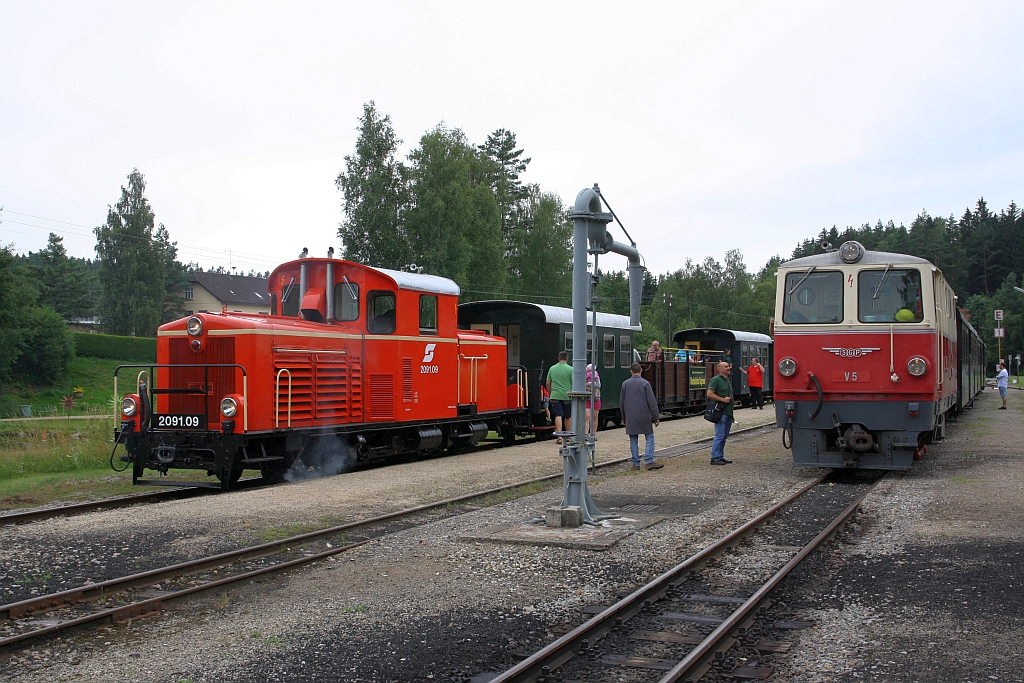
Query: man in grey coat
640	415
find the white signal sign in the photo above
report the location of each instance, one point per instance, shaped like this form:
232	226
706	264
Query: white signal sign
999	314
1000	332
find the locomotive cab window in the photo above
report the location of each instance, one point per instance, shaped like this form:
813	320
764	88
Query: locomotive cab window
813	297
890	296
428	314
290	300
380	312
346	294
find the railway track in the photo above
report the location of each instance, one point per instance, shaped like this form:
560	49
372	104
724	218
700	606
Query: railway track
41	514
651	644
147	593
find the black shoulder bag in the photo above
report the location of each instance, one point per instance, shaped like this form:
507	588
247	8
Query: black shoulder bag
713	412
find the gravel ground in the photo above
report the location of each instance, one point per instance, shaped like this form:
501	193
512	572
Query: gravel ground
925	586
62	553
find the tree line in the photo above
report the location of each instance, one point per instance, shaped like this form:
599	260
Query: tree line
454	209
981	254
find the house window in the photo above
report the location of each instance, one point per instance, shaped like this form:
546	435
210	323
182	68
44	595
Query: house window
380	312
428	314
188	294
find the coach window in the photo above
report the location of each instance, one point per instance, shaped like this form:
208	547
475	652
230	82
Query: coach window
380	312
813	297
346	297
625	351
428	314
568	340
889	296
609	350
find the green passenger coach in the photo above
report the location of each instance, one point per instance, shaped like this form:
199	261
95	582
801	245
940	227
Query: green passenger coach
536	333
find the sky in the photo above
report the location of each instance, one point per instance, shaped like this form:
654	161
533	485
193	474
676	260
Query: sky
709	126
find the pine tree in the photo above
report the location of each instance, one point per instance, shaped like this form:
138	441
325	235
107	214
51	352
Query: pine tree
509	191
63	282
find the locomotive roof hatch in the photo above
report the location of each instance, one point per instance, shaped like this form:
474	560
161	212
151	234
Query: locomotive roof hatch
435	284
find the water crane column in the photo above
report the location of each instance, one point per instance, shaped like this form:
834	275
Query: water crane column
590	236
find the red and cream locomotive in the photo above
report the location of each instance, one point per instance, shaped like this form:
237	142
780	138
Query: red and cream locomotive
352	363
873	356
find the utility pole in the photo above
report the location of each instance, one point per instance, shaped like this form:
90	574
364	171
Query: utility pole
667	298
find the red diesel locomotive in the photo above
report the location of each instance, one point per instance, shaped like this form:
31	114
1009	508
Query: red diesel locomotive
873	356
352	363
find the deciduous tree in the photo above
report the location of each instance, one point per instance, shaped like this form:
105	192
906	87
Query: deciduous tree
133	270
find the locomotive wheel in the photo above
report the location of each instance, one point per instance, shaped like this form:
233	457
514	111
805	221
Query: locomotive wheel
232	478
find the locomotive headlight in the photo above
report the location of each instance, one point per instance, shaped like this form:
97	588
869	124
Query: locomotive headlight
787	367
851	252
917	366
228	407
194	326
129	406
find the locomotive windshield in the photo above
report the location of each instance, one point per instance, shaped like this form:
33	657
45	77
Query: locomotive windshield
889	296
813	297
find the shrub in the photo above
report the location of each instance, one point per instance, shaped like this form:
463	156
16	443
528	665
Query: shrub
136	349
47	346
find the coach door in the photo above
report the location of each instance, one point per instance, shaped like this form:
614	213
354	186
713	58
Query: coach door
511	335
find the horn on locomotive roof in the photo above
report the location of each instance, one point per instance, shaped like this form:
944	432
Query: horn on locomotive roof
330	252
305	252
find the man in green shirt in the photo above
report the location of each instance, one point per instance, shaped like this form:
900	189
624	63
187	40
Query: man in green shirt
559	385
720	389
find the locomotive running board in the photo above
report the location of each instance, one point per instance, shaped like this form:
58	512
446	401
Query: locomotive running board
186	484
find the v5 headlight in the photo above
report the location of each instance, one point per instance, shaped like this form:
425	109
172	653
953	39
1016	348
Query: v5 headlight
228	407
917	366
194	326
129	406
787	367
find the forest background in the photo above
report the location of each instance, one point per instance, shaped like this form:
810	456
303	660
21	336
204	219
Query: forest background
462	211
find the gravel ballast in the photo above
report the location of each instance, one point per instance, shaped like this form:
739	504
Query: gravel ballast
422	604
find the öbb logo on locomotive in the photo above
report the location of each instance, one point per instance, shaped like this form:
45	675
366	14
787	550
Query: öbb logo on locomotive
883	410
428	355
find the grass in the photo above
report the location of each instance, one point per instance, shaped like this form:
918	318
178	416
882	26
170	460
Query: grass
95	375
32	447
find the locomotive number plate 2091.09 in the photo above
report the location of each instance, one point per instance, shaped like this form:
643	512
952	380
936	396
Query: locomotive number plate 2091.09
179	421
851	376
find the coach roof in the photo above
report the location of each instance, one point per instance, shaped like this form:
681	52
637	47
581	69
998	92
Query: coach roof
556	314
870	258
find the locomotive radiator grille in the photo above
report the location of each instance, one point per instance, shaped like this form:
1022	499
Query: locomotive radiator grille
301	392
382	393
407	380
332	390
218	381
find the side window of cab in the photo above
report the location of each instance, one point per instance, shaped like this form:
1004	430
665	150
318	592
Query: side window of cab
380	312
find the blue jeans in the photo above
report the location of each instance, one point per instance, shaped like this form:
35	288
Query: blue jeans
722	428
634	448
